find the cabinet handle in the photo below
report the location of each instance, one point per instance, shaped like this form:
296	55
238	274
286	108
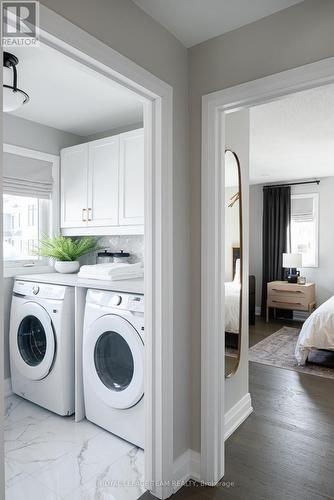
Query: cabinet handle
89	214
282	290
84	219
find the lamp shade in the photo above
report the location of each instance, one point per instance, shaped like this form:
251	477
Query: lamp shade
292	260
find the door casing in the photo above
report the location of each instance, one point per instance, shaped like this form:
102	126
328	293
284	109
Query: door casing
214	108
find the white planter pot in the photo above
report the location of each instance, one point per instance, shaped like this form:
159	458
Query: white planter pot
66	267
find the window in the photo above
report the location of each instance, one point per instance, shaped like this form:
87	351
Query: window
27	207
304	227
32	209
24	220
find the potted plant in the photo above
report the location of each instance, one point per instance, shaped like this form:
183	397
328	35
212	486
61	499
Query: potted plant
66	251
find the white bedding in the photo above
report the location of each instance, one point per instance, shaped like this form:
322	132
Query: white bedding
317	332
232	305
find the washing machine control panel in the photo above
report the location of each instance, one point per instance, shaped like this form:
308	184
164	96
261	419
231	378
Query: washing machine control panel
136	303
116	300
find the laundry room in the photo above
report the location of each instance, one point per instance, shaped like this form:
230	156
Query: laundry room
73	259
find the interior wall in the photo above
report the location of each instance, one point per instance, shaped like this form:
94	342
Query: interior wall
293	37
127	29
255	239
323	275
32	135
237	139
113	131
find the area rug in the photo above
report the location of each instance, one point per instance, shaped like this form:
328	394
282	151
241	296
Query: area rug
278	350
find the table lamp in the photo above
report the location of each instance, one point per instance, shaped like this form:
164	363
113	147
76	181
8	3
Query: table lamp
291	261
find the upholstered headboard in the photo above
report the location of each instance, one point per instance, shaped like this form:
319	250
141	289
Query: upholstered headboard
235	256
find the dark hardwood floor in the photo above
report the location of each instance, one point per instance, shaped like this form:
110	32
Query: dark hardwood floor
261	329
284	450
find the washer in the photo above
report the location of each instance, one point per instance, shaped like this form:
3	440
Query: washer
41	342
113	363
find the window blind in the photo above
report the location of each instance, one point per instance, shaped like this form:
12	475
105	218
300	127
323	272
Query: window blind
302	209
26	176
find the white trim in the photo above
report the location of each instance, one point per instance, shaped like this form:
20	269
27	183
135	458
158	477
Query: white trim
315	197
214	107
157	98
236	415
186	467
7	387
99	231
55	161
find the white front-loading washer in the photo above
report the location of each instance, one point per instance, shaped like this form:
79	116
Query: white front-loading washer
41	342
113	363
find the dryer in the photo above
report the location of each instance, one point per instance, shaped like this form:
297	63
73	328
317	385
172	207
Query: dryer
41	342
113	363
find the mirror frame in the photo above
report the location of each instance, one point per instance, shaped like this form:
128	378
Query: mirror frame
236	157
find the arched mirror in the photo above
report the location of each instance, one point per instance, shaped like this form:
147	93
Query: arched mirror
233	262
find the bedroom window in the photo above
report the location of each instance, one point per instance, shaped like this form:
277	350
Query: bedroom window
304	227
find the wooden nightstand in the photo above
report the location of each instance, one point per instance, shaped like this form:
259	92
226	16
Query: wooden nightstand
292	296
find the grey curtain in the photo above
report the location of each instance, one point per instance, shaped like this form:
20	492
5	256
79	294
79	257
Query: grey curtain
276	224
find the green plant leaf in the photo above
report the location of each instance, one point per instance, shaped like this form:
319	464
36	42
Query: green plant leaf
66	249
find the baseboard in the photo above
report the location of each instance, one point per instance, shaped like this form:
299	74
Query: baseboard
257	311
237	414
7	387
186	467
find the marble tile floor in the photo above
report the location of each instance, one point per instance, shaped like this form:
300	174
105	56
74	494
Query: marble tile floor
49	457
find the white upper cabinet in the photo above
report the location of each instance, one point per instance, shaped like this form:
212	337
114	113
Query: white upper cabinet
74	175
102	186
103	182
131	177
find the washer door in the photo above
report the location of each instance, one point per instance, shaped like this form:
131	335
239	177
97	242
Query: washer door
114	361
32	341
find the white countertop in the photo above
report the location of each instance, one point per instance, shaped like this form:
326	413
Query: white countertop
126	286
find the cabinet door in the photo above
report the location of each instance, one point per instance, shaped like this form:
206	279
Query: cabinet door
74	174
131	192
103	182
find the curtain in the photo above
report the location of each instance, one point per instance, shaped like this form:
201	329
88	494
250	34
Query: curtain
276	240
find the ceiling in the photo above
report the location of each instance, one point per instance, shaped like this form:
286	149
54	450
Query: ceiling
194	21
293	138
67	95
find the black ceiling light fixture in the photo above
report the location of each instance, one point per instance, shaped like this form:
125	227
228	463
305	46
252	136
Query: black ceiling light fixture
13	97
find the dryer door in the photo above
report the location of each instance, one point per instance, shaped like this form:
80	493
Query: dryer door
32	341
114	360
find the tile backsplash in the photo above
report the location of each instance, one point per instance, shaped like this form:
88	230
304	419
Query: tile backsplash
133	244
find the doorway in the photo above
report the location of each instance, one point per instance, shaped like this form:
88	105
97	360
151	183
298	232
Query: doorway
156	98
216	423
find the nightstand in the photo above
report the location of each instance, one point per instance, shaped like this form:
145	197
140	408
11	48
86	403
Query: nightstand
292	296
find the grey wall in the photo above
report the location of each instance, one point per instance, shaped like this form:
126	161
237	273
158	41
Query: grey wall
293	37
127	29
28	134
323	275
237	139
114	131
255	237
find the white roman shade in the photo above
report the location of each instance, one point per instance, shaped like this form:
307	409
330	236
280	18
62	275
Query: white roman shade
26	176
302	209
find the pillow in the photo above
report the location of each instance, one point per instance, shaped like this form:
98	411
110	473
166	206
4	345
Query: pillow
236	278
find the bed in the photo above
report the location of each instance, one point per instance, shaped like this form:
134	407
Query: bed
232	297
317	332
